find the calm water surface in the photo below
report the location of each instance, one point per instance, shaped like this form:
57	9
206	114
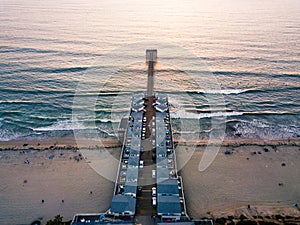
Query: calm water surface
48	48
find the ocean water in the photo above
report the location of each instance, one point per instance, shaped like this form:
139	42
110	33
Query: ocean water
73	65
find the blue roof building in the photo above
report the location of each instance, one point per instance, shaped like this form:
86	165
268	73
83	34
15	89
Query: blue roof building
168	187
123	204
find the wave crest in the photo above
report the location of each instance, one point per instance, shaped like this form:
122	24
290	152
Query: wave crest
220	92
181	114
63	125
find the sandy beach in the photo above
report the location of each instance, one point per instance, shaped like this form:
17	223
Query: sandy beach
46	187
58	181
266	178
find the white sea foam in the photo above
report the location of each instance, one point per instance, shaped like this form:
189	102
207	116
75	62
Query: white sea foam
265	130
62	125
224	91
107	132
188	115
7	135
68	125
109	121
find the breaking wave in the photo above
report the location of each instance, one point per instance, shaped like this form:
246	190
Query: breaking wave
62	125
182	114
224	92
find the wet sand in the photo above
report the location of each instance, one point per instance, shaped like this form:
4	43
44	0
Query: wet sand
249	175
58	143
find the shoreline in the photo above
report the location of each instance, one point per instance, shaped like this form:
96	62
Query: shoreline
69	143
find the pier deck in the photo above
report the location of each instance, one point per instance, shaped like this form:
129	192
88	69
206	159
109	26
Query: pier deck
147	189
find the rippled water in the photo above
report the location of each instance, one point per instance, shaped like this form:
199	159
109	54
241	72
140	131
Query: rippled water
49	48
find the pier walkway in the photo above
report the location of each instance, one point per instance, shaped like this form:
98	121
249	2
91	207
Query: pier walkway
148	189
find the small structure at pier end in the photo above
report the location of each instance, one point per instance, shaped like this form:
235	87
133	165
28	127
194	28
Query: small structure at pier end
147	189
